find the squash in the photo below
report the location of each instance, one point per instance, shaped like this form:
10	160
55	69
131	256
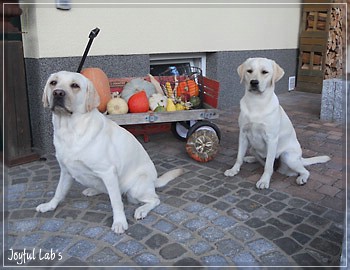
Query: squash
187	87
170	106
138	103
136	85
157	100
117	105
101	83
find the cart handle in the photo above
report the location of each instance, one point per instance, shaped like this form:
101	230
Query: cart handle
92	35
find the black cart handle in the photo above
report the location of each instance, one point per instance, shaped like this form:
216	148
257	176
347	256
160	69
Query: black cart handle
92	35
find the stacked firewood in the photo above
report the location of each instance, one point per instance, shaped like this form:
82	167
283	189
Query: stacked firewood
334	55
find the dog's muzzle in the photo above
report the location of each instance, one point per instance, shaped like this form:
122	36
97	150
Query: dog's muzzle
254	86
58	104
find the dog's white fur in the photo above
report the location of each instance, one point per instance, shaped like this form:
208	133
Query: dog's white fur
265	127
97	152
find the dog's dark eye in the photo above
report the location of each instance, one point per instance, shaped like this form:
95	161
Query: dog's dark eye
74	85
53	83
250	71
264	72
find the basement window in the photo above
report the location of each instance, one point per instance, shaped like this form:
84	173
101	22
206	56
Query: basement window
176	64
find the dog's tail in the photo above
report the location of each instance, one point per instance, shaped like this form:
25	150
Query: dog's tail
167	177
314	160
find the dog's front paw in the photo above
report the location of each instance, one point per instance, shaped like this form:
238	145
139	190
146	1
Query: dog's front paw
233	171
44	207
302	179
263	183
120	225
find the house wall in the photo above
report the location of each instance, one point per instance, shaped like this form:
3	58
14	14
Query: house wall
55	40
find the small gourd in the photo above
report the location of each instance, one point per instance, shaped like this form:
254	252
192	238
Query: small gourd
170	106
138	103
157	100
117	105
187	87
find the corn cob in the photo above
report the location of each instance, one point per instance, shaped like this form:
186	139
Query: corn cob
169	90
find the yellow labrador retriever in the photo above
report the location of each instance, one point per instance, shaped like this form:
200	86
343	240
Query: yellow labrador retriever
97	152
265	127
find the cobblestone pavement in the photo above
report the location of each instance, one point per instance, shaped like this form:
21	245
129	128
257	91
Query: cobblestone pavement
204	219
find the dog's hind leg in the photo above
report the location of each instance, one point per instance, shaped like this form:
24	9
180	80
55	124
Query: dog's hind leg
294	162
91	192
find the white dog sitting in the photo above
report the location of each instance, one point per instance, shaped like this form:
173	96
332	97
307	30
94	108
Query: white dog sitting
97	152
265	127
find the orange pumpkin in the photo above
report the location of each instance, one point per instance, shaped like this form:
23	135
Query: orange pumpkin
188	87
101	83
138	103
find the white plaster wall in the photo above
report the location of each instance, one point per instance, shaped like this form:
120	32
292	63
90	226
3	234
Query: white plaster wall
149	29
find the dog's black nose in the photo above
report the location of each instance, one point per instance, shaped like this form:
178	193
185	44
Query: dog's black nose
59	93
254	82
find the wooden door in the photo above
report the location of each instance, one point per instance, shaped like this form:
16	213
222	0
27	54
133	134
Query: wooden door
313	47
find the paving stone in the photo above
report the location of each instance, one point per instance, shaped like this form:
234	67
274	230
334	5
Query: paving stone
275	258
305	259
291	218
332	236
315	208
93	232
276	206
219	192
196	224
93	216
261	213
68	214
248	205
221	205
112	238
104	257
187	262
231	199
317	221
229	247
214	260
194	207
164	226
163	209
261	198
130	248
245	259
172	251
238	214
56	243
242	233
212	234
300	237
82	249
175	202
224	222
288	245
208	213
156	241
325	246
334	216
304	228
81	204
205	199
181	235
261	246
146	258
255	223
298	211
178	216
138	231
29	240
270	232
192	195
75	227
22	214
278	196
200	247
52	225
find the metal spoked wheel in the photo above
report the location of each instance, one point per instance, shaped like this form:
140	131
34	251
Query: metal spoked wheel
203	140
180	129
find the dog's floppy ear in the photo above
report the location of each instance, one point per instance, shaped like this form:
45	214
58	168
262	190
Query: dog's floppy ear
240	71
92	98
45	97
278	72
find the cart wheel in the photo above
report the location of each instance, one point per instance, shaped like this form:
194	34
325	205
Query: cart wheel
203	140
180	129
